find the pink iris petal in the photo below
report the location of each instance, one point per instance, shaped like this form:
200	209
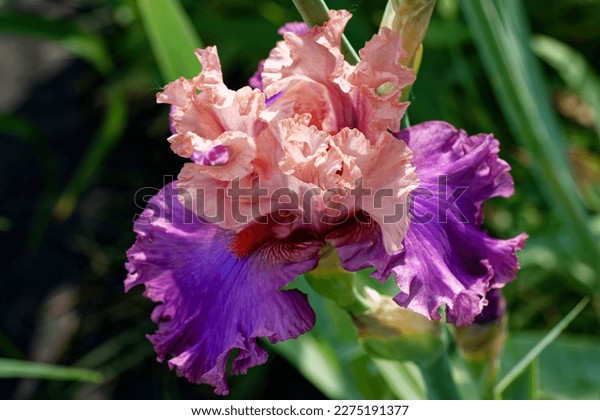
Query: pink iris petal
311	71
299	28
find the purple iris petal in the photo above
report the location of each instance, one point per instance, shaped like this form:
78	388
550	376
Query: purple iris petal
299	28
256	80
448	260
217	156
494	310
452	261
212	301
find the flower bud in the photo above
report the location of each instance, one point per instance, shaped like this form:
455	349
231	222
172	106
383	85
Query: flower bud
484	339
389	331
410	18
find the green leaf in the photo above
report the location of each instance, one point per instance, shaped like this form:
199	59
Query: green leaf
172	37
10	368
439	381
525	386
318	363
501	34
534	353
333	360
572	67
568	368
327	356
404	379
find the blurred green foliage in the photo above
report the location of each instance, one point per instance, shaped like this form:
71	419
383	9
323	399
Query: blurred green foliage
479	73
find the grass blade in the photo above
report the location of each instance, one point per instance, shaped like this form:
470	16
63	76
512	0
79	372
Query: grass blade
568	368
524	363
172	38
404	379
526	385
10	368
572	67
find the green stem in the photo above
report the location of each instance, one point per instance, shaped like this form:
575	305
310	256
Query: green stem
405	121
331	281
315	12
439	381
485	372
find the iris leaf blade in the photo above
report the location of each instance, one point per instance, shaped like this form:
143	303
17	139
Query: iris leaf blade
501	35
572	67
10	368
172	38
534	353
568	367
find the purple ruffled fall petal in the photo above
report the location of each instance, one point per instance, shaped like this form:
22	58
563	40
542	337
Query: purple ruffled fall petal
359	245
212	301
447	258
494	310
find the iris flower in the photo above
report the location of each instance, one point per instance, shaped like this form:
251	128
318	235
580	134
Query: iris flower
313	158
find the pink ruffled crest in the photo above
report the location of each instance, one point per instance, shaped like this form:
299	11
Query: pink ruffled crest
299	28
305	85
211	120
312	156
390	178
319	131
206	107
346	161
311	74
290	57
379	79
